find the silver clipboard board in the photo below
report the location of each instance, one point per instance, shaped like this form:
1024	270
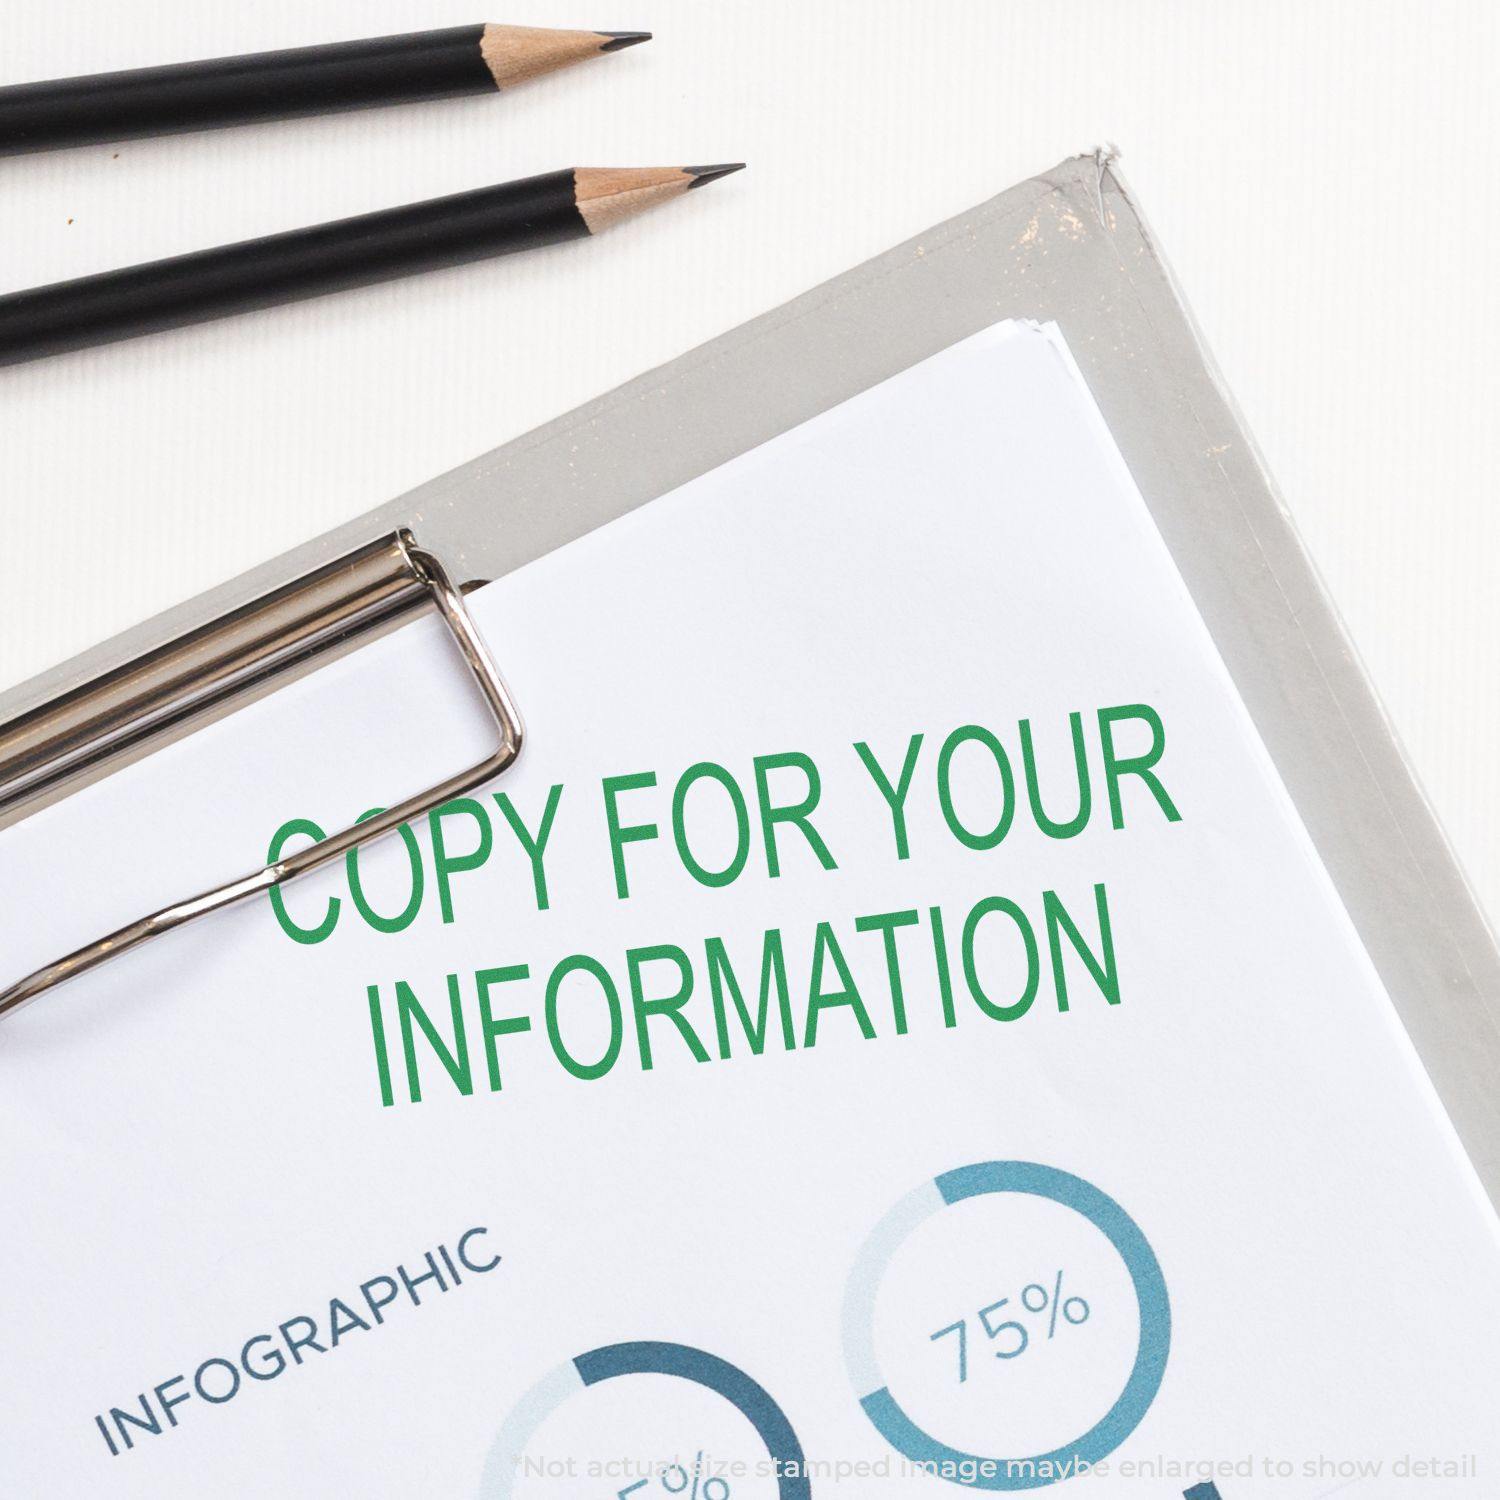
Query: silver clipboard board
1070	245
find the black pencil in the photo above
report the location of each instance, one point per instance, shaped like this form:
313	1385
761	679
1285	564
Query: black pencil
331	257
280	85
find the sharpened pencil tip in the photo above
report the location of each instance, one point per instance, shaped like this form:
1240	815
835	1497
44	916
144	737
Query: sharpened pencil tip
619	40
515	53
700	175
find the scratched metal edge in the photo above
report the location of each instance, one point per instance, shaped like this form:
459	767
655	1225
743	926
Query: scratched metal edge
1301	677
1069	245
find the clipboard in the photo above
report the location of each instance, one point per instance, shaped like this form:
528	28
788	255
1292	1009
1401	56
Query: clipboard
1071	246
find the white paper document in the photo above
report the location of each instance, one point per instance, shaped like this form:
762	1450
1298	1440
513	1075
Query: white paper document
890	1034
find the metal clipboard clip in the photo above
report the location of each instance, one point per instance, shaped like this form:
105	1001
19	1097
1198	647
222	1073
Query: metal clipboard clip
139	703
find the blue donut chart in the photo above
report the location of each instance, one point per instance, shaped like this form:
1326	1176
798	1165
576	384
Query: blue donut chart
613	1361
994	1177
718	1375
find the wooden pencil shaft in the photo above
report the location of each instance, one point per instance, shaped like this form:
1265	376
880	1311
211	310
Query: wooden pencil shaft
289	267
240	90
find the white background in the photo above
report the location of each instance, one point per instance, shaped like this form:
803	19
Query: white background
1320	175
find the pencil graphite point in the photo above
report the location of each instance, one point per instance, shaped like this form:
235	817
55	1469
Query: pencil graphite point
700	175
619	40
515	53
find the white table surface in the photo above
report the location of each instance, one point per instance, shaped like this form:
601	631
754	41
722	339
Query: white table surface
1267	140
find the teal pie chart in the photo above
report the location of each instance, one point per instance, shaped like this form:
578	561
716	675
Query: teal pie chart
1018	1471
